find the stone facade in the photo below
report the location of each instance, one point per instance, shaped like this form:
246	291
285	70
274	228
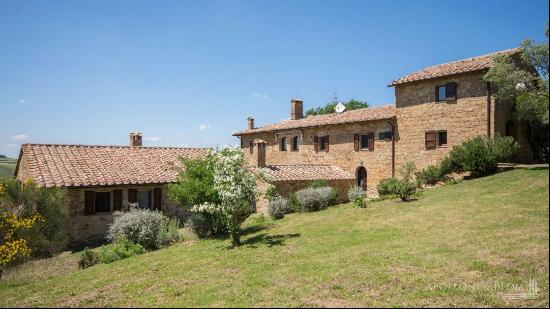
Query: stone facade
93	228
416	112
340	153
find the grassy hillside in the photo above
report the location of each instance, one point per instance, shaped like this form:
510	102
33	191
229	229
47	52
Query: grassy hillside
465	244
7	166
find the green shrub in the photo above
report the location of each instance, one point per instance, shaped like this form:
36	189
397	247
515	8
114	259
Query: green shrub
169	232
118	251
206	225
315	184
277	208
360	202
314	199
475	156
386	186
504	148
449	166
430	175
293	202
139	226
88	258
271	193
404	189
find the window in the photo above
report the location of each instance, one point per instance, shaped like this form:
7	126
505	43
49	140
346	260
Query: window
251	147
364	142
384	135
435	139
102	201
295	143
445	92
442	138
144	199
282	145
323	143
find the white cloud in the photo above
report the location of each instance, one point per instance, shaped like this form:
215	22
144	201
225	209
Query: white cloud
151	138
20	137
204	127
22	101
259	95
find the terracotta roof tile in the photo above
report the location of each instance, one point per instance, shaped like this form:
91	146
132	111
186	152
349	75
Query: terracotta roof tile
85	165
358	115
455	67
301	172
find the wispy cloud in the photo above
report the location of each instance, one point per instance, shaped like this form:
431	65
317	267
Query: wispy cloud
21	101
259	95
204	127
20	137
151	138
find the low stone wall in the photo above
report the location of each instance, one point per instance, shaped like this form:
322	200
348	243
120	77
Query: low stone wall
284	188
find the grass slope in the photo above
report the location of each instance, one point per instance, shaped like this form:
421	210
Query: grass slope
7	167
486	234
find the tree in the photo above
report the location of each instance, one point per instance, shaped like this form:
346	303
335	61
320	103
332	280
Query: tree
329	107
236	189
527	90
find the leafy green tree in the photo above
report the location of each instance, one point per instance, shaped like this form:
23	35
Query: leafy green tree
329	107
527	90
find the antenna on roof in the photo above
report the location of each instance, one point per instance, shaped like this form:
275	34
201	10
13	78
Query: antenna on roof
340	108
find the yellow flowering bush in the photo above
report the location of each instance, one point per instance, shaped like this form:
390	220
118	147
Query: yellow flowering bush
12	247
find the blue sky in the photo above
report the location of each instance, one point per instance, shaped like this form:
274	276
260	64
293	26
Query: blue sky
191	72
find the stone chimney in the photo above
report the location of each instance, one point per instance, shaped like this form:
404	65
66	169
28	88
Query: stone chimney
250	123
259	157
135	139
296	109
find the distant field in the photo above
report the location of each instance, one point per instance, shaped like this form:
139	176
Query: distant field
7	166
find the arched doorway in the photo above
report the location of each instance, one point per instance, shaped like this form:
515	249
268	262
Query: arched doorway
361	177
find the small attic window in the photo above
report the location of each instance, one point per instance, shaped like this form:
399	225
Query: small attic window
441	93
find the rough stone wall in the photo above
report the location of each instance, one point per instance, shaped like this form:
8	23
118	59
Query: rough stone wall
23	170
284	188
91	229
341	150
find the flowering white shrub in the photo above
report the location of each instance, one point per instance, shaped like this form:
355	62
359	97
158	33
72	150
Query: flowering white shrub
314	199
236	188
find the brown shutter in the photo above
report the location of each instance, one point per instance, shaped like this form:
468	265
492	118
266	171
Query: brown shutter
132	196
431	139
316	143
117	200
89	203
371	141
450	91
157	198
356	141
328	143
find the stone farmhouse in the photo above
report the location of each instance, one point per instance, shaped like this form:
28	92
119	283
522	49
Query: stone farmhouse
435	108
104	179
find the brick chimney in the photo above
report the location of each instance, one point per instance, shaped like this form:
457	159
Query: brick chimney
258	160
250	123
296	109
135	139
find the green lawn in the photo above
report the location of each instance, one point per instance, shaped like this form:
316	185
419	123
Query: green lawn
461	245
7	166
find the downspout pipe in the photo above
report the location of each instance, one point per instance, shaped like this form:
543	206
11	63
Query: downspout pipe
488	109
392	148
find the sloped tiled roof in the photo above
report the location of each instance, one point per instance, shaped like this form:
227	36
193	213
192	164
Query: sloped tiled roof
301	172
85	165
358	115
455	67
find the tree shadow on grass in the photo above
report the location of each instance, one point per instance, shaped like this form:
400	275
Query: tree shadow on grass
268	240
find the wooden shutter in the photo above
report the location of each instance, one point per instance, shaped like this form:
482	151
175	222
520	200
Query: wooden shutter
89	203
431	139
157	192
328	143
356	141
316	143
117	200
371	141
132	196
450	91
